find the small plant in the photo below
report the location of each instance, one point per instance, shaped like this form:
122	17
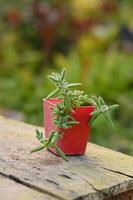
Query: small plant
62	112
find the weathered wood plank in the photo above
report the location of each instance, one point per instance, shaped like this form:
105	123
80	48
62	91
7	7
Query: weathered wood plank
10	190
100	174
124	196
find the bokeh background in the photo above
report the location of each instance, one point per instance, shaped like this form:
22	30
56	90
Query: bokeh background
93	39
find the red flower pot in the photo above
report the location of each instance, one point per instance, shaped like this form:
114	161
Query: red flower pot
75	139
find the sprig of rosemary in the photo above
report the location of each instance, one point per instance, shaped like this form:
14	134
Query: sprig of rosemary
48	143
61	84
102	109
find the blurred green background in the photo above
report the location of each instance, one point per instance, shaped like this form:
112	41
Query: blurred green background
93	39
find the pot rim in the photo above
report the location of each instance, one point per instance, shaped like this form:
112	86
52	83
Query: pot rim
45	100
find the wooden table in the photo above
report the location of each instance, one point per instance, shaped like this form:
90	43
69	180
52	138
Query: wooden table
100	174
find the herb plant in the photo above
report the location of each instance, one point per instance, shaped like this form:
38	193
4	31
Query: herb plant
71	99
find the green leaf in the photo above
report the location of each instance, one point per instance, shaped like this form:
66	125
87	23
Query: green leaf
108	120
96	112
50	138
93	118
61	153
54	139
57	77
91	101
53	93
42	146
101	101
39	135
113	107
67	103
63	73
51	78
72	122
95	99
73	84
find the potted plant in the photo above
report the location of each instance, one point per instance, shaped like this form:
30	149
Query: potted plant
67	118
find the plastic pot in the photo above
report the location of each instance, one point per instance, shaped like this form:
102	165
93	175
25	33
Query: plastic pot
74	139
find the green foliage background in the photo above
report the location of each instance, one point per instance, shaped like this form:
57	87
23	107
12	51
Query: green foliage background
98	59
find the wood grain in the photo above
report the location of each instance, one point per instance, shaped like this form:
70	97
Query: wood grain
100	174
128	195
10	190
